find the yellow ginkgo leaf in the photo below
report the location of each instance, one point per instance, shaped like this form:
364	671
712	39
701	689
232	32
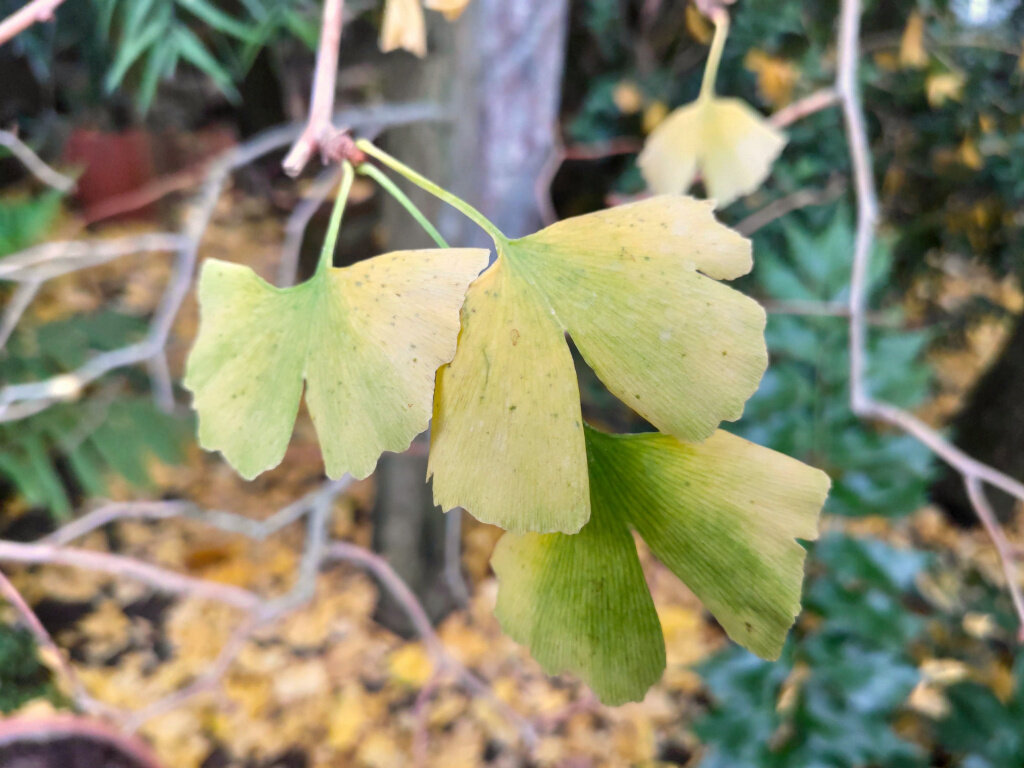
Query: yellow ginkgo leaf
366	339
912	51
451	9
636	288
725	140
947	86
404	27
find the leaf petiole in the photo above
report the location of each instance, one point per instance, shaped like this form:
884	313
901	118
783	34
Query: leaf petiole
367	169
331	240
439	192
707	86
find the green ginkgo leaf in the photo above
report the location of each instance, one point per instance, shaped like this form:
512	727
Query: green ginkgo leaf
637	289
723	515
366	340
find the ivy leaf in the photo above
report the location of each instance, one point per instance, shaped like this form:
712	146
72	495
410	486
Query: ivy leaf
730	144
636	288
723	516
367	340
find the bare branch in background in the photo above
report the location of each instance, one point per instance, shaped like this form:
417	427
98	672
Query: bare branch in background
19	401
321	101
861	402
805	107
31	13
23	296
32	162
318	551
295	229
803	198
43	639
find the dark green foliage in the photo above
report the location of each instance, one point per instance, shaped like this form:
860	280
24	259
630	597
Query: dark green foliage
22	677
802	407
152	37
847	672
114	431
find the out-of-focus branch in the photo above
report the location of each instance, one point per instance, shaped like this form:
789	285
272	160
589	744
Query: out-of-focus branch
1007	556
43	639
321	102
53	259
32	162
444	662
117	565
798	110
23	296
31	13
19	401
295	229
318	551
861	402
802	198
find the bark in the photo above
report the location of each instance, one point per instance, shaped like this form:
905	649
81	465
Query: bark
500	68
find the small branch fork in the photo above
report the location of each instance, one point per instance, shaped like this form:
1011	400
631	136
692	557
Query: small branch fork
320	132
975	473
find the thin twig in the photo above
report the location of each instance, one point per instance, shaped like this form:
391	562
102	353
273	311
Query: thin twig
19	401
1007	557
298	221
160	378
443	660
321	102
43	638
974	472
802	198
32	162
53	259
798	110
160	579
20	301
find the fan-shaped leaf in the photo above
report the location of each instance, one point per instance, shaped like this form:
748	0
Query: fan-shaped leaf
367	340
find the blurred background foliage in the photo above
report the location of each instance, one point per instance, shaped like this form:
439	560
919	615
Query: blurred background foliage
904	655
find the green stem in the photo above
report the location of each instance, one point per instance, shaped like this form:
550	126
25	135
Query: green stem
458	203
707	86
327	254
367	169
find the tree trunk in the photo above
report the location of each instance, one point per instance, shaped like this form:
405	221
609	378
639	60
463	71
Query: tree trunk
500	69
991	429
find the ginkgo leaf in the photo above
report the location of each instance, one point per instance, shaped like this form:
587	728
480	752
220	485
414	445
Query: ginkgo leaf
367	340
635	287
723	139
451	9
404	27
730	144
724	516
581	605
